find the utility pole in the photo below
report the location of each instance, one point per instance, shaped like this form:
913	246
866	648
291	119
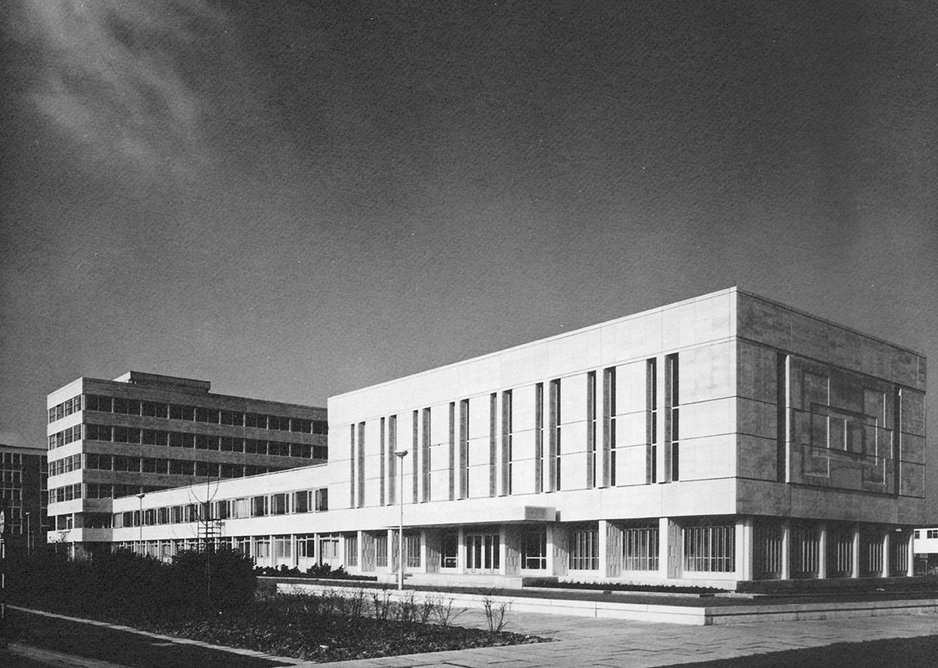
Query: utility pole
400	454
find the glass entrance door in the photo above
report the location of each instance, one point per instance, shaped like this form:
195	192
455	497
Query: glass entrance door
482	552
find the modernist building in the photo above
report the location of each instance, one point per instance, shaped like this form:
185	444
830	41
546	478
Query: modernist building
718	440
23	495
144	432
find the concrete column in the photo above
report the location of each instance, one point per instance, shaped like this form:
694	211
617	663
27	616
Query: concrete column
613	551
663	528
822	552
910	564
461	551
744	548
886	554
294	557
786	550
603	547
557	550
855	570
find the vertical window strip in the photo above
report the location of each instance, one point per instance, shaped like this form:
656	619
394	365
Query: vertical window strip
382	500
591	429
414	454
361	464
539	437
351	461
392	460
672	417
651	380
609	427
506	442
426	454
493	443
464	449
553	436
452	450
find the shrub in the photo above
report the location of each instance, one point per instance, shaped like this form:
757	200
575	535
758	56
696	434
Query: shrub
218	579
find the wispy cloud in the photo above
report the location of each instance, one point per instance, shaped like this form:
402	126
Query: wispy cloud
113	75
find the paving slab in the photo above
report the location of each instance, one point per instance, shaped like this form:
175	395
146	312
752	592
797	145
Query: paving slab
600	643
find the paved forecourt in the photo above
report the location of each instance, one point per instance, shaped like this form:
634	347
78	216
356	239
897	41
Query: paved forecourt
592	642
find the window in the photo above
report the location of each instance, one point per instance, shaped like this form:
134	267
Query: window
382	459
931	533
301	502
584	549
609	426
591	429
278	504
449	552
262	548
539	437
672	415
554	437
232	418
651	378
451	450
412	550
425	455
322	499
640	548
155	437
534	549
351	550
361	464
178	412
259	506
506	442
381	550
710	548
329	547
351	462
154	409
464	449
482	552
392	459
300	425
283	547
415	455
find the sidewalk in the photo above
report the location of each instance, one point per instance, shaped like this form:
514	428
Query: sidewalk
608	643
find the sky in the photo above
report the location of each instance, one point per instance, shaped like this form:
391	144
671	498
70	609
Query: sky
297	199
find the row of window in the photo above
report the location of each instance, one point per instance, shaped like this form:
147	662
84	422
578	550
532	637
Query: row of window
65	437
186	467
599	472
65	493
261	548
105	404
284	503
67	407
176	439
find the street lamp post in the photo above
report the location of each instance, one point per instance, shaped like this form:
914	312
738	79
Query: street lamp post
400	454
140	526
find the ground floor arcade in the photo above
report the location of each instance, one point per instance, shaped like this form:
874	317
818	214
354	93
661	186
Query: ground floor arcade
710	551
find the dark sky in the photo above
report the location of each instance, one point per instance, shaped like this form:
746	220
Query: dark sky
296	199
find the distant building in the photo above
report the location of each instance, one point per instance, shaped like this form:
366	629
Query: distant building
144	432
715	441
23	495
925	549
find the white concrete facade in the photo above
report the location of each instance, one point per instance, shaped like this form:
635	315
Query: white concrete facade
714	441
